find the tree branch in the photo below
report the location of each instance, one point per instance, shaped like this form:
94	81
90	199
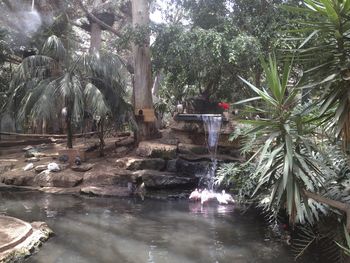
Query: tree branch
344	207
98	21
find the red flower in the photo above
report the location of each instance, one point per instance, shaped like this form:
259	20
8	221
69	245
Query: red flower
224	105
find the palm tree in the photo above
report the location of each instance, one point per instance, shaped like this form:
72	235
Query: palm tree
45	84
328	24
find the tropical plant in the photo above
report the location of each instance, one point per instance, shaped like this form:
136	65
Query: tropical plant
285	151
328	24
45	84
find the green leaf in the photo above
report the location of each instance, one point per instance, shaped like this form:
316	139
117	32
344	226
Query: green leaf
286	171
308	38
246	100
263	95
289	153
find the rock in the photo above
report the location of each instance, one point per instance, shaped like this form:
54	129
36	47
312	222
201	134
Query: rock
121	149
171	166
130	163
60	190
106	191
207	157
24	243
66	179
18	177
192	169
82	168
155	149
28	167
32	160
40	168
192	149
128	141
4	167
106	175
165	180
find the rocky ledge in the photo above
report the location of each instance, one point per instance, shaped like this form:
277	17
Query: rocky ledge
19	239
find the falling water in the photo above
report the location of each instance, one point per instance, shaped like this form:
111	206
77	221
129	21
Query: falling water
212	126
33	5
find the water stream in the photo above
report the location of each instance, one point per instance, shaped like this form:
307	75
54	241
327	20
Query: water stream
103	230
212	127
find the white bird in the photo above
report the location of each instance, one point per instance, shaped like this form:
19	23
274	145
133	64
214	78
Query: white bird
207	196
227	197
221	199
195	195
53	167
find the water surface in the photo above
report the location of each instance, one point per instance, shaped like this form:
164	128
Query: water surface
114	230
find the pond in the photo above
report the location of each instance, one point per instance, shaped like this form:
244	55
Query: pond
91	229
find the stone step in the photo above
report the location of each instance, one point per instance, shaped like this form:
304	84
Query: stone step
156	149
207	157
165	180
136	163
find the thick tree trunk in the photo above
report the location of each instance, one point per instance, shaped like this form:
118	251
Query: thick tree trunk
142	66
95	40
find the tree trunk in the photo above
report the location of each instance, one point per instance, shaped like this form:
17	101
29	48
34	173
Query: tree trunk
142	65
69	129
95	40
101	136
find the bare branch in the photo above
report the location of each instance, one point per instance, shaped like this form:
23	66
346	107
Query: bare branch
98	21
344	207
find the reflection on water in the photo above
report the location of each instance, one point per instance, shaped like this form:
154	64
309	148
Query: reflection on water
114	230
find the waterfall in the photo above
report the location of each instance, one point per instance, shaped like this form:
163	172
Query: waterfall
33	5
212	127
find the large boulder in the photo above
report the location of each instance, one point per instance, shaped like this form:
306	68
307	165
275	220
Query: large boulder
6	166
17	177
107	175
40	168
58	179
156	149
134	164
185	148
192	169
165	180
171	166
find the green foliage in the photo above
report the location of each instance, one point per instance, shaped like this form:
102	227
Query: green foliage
217	41
323	237
201	61
327	22
284	149
44	84
237	176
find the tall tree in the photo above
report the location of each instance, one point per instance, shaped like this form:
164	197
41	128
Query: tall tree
143	103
